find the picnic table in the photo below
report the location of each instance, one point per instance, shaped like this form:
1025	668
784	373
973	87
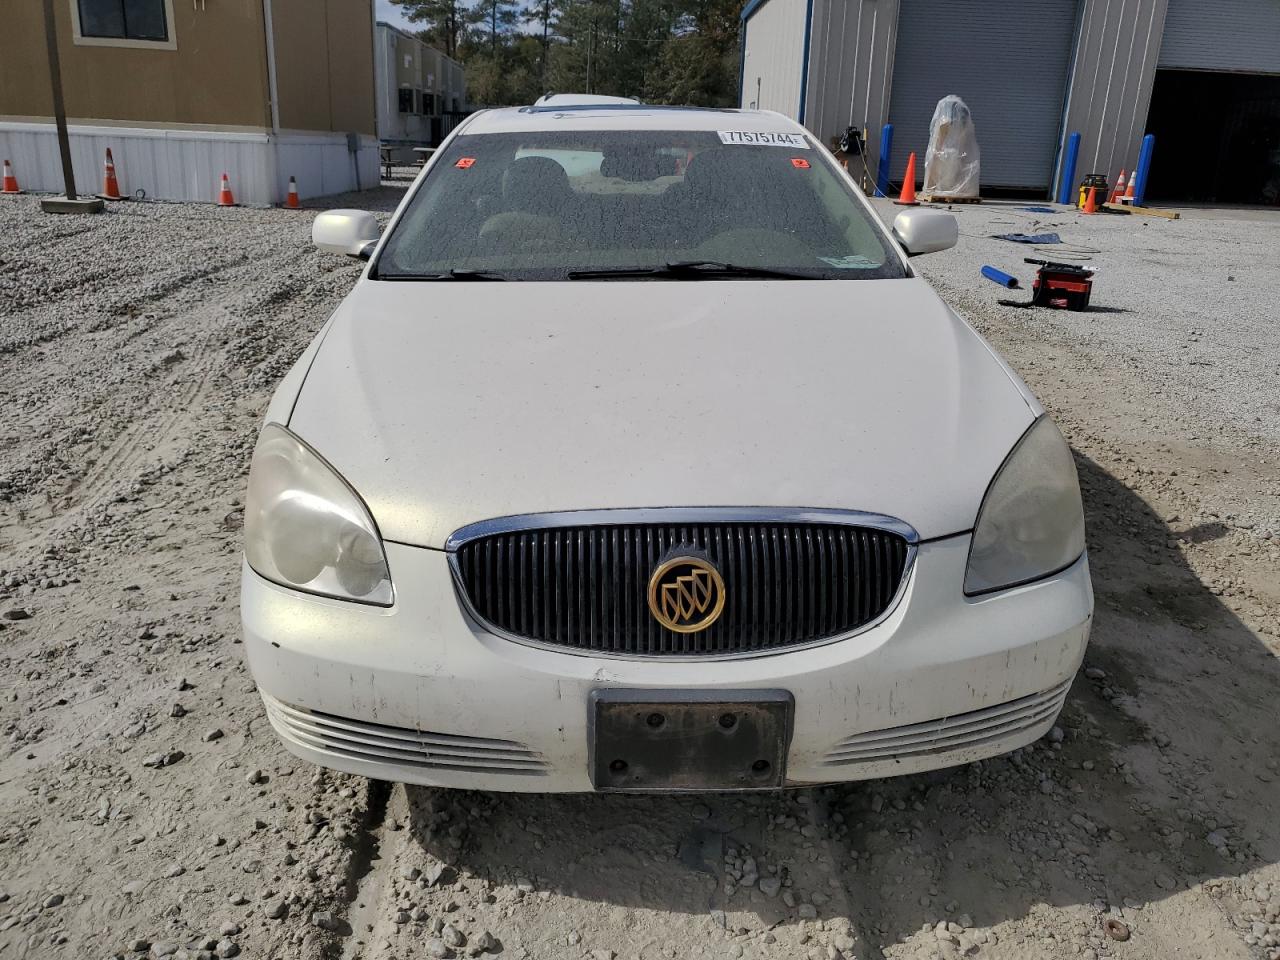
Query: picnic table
388	150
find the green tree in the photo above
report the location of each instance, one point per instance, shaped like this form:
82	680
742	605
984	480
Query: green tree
446	21
540	16
699	63
665	51
497	20
487	52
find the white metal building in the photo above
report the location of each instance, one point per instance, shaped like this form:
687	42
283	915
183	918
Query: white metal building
1202	75
421	92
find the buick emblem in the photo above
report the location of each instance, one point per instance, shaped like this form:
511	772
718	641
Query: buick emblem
686	594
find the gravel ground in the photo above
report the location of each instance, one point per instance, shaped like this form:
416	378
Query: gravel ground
1194	304
146	809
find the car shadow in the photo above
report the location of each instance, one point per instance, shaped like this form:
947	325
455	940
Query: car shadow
1155	780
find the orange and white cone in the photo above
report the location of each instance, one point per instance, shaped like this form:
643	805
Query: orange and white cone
1128	194
225	199
110	187
10	181
1119	190
291	201
907	197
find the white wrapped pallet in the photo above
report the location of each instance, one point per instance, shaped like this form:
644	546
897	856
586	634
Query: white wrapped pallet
952	160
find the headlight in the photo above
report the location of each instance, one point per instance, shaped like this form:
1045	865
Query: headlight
304	527
1031	523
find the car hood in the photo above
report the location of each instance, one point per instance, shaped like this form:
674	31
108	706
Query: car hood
445	403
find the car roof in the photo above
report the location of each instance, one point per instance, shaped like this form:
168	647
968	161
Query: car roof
626	116
561	99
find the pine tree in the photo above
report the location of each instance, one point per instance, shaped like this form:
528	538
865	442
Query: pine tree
446	21
665	51
499	19
541	15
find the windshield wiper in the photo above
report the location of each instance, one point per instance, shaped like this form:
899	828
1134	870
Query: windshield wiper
454	274
689	270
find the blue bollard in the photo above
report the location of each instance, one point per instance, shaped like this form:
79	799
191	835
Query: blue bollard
1067	184
882	169
1144	167
1000	277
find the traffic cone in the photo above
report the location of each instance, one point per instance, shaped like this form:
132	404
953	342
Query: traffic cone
10	181
907	197
1091	203
225	199
1119	190
110	188
291	201
1128	194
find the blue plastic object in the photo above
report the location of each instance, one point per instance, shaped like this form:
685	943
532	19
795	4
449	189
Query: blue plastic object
882	171
1066	184
1000	277
1144	167
1037	238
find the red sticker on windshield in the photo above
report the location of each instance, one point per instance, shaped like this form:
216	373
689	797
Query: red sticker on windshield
800	163
466	163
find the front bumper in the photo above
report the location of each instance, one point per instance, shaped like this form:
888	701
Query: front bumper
420	693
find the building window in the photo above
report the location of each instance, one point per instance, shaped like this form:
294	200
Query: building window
406	100
123	23
124	19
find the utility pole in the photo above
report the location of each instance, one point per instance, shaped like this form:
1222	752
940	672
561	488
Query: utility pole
71	203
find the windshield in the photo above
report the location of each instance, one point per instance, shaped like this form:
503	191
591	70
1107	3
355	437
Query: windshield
555	205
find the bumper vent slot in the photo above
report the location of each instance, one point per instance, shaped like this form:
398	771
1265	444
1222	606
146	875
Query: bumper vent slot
585	588
958	732
378	743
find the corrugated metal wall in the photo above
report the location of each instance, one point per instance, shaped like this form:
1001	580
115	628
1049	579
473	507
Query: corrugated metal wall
1117	48
773	56
850	63
1110	89
188	164
1228	35
166	164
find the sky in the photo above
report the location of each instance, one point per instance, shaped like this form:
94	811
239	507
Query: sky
392	14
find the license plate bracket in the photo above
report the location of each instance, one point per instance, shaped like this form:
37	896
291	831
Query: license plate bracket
684	740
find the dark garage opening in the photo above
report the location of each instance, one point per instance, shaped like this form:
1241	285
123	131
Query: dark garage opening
1217	138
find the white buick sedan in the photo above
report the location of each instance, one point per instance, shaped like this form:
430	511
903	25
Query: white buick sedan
639	458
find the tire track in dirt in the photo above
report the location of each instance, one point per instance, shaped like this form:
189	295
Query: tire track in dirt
377	851
139	780
149	434
108	400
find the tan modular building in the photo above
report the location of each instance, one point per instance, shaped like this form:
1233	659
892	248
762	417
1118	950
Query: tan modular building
182	91
421	91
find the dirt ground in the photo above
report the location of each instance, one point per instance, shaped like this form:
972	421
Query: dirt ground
146	809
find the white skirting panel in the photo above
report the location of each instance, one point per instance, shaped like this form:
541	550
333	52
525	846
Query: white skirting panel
188	164
323	165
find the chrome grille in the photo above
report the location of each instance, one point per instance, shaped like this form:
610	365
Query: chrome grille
584	586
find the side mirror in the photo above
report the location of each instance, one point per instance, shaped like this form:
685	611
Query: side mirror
925	231
345	231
